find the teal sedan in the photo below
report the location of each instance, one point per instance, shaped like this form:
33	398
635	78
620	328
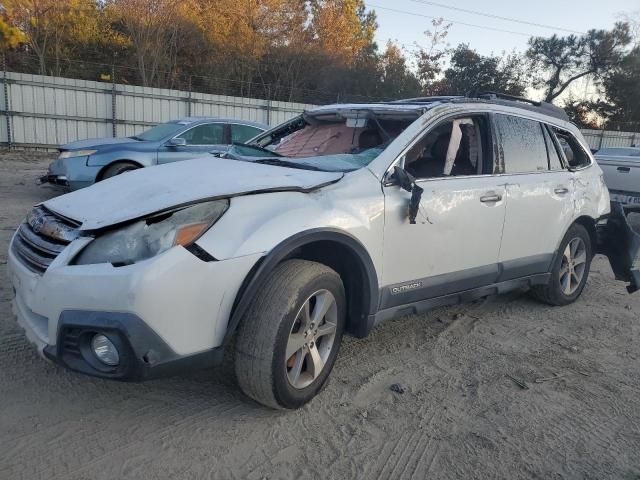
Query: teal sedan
85	162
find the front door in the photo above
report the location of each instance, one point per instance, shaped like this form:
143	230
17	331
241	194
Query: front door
455	242
200	140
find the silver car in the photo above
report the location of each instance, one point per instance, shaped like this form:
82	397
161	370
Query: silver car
85	162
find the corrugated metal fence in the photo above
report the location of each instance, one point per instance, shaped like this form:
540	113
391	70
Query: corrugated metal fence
43	112
607	138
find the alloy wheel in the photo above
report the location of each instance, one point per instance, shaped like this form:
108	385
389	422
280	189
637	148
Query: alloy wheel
311	339
572	268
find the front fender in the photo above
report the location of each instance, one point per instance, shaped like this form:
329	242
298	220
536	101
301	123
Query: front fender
257	223
258	274
145	159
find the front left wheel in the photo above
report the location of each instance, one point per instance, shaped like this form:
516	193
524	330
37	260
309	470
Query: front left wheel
290	336
118	168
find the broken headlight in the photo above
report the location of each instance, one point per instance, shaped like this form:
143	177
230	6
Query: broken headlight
153	235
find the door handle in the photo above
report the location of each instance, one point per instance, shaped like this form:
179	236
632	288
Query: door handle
624	169
491	198
561	190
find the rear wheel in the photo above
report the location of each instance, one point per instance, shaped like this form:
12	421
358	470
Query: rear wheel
118	168
289	339
570	269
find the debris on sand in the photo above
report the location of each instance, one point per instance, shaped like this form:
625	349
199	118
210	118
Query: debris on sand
398	388
520	383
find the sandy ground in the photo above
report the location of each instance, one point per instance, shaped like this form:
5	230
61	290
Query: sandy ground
461	416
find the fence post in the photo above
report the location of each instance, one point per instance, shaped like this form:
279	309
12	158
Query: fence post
5	86
601	138
113	100
268	106
189	98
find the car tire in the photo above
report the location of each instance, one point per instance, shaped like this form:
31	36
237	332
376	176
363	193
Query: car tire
270	368
570	269
118	168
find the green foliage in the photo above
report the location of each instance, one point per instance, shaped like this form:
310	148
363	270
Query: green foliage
621	106
470	72
560	61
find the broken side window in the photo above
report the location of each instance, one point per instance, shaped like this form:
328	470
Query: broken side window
573	152
453	148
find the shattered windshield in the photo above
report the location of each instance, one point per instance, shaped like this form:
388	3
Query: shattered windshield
335	143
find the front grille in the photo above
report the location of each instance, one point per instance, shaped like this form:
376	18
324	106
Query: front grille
42	237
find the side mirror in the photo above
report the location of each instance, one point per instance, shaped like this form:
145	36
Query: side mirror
177	142
403	178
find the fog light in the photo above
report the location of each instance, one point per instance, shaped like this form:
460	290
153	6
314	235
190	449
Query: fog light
105	350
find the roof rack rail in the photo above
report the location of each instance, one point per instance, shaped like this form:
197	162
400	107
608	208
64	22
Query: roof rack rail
533	105
418	100
492	97
505	96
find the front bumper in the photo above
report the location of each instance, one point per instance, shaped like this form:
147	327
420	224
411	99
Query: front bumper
57	180
72	173
620	243
143	354
166	313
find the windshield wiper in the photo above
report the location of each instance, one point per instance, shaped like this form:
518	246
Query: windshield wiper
134	137
287	163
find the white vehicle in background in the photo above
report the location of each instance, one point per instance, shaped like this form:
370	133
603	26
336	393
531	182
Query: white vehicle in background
331	223
621	168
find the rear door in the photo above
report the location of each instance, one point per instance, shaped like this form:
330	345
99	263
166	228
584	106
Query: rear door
200	140
539	196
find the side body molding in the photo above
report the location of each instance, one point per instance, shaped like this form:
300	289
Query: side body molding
369	286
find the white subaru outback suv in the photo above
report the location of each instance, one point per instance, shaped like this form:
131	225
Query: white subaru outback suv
335	221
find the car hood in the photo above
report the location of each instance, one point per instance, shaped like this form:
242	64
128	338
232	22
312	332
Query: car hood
142	192
96	143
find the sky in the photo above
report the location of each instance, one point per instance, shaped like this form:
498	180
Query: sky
405	21
571	15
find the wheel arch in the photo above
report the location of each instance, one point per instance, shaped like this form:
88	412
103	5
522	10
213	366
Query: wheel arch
586	221
338	250
590	225
100	174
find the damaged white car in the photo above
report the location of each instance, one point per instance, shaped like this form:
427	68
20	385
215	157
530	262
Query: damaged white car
344	217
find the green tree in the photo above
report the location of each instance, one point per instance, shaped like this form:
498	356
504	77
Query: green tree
581	112
563	60
429	59
621	106
469	71
396	79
